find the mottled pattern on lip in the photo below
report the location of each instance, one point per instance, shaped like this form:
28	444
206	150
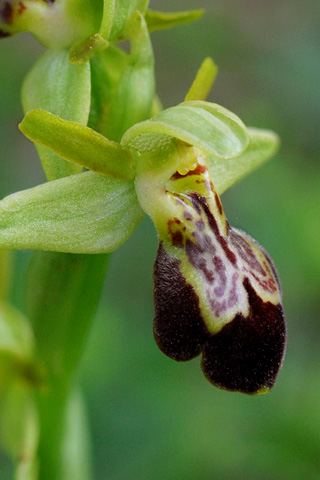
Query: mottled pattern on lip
217	292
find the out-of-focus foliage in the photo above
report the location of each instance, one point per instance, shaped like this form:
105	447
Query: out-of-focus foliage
155	419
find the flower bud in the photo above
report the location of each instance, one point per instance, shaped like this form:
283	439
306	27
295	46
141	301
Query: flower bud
56	24
216	290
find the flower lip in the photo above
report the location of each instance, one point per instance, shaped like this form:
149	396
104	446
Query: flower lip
248	352
216	291
179	329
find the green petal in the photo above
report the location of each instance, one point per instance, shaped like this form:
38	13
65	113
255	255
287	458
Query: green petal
203	82
55	85
205	125
84	213
162	20
78	144
263	144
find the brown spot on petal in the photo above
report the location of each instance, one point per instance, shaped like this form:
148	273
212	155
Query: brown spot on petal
175	232
218	202
21	8
6	12
179	329
246	355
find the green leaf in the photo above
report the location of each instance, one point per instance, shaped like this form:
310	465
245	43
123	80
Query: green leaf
132	102
207	126
55	85
203	82
162	20
84	213
78	144
263	144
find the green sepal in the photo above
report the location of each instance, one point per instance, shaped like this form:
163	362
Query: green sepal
263	144
55	85
208	126
203	82
84	213
162	20
132	102
78	144
82	51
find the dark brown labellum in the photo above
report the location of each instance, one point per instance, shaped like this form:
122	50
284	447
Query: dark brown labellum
179	329
247	353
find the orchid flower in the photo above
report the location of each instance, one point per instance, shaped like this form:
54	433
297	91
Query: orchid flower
216	289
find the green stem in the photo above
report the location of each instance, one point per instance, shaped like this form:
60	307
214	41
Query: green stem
63	291
5	272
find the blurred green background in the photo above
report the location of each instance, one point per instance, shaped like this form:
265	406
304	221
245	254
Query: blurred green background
152	418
